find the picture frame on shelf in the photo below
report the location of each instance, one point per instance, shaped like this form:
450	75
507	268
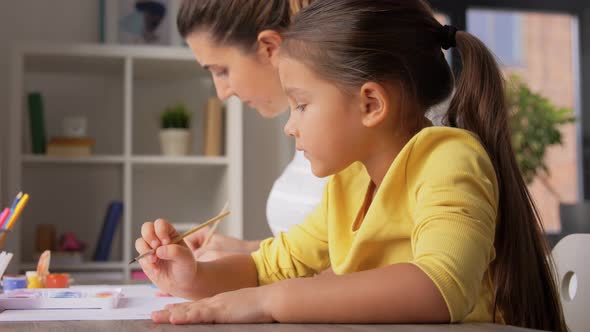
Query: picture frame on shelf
139	22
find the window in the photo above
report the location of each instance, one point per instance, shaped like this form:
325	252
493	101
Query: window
501	31
550	74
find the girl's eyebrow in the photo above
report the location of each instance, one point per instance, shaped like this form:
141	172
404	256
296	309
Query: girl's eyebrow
292	91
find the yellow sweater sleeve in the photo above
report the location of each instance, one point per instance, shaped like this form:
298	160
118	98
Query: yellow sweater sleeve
300	252
456	201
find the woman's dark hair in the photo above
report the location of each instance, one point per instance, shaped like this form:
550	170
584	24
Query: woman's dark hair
351	42
236	22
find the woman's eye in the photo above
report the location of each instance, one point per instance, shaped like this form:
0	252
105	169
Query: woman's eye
220	73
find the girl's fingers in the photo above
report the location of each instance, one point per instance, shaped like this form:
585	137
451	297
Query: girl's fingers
164	231
174	305
174	252
148	234
161	317
149	262
186	314
141	246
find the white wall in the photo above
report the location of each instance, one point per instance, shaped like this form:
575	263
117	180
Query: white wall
266	151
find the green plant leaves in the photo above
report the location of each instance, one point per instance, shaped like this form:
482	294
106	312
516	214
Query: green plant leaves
535	123
175	117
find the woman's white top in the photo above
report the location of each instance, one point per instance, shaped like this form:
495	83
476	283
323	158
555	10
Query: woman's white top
294	195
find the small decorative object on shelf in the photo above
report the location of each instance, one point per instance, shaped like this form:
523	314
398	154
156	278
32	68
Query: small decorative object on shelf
69	242
174	134
70	146
45	235
75	126
139	22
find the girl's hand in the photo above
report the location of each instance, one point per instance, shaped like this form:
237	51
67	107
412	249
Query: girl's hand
247	305
173	268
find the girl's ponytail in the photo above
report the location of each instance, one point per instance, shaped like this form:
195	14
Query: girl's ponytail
525	287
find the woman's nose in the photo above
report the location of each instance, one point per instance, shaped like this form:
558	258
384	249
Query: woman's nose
223	90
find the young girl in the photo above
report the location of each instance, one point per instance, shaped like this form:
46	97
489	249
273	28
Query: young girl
419	223
240	48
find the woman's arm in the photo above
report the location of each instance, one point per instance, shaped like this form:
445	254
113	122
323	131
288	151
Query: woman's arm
399	293
231	244
219	243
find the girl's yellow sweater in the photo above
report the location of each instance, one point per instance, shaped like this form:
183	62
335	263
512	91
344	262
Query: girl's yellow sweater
436	208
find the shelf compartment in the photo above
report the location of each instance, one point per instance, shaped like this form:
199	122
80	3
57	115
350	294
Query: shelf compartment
74	199
97	159
85	266
188	160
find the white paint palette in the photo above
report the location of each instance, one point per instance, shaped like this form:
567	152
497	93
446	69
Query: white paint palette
61	298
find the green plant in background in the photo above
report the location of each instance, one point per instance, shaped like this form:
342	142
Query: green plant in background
175	117
535	124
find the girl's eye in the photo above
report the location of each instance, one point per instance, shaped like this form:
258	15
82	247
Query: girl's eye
300	107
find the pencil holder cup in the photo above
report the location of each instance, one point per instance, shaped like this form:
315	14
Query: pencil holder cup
3	237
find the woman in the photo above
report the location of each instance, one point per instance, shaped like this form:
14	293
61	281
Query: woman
238	42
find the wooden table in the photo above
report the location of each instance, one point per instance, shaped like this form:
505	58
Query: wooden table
144	325
148	325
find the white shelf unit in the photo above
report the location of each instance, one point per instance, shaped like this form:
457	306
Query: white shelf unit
121	90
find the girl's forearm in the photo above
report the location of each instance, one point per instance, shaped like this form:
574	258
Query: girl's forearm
399	293
225	274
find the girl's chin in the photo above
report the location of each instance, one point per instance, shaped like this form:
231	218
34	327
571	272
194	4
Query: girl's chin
320	172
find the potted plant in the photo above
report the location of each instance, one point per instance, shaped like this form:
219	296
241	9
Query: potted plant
535	123
174	133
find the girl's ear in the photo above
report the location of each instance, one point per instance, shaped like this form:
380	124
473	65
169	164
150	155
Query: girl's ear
269	43
375	104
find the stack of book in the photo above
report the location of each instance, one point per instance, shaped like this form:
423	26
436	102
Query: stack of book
70	146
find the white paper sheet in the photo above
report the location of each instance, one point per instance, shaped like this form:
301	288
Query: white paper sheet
138	303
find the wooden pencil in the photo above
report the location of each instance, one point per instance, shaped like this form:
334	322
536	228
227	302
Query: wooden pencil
185	234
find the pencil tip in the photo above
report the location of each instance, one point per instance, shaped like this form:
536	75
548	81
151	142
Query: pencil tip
133	260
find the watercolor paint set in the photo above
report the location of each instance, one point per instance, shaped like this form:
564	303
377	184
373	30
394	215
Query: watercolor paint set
61	298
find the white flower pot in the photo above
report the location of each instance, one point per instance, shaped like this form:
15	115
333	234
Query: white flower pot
175	142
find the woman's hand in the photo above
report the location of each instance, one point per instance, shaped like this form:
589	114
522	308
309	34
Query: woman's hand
218	246
205	255
247	305
172	268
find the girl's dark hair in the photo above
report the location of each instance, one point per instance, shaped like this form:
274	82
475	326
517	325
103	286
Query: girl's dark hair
236	22
351	42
